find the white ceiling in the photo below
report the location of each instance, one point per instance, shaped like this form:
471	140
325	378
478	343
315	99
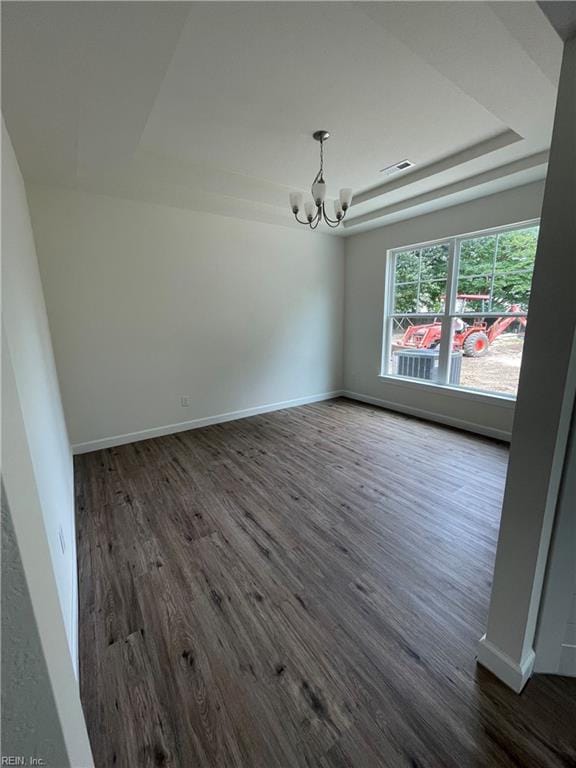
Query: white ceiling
211	106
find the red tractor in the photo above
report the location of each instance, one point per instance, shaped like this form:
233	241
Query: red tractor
474	340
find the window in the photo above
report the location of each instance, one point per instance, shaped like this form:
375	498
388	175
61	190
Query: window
456	310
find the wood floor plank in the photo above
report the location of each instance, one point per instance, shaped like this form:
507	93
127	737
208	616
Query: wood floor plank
304	588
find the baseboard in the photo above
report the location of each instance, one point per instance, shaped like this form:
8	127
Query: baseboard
567	664
511	673
75	650
183	426
468	426
169	429
75	647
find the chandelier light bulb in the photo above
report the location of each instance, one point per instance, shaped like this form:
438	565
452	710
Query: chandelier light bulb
345	198
309	209
315	209
295	201
319	192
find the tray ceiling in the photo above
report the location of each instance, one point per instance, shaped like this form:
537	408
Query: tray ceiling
211	106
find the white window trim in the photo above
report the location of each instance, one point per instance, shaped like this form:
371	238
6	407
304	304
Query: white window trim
453	242
466	393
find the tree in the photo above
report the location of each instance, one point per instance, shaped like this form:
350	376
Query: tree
497	266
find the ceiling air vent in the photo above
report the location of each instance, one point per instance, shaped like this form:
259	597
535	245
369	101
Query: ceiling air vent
403	165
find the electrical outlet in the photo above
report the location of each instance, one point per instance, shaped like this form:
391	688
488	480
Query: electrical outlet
62	539
185	401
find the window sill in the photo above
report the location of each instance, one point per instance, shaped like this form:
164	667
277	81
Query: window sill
490	398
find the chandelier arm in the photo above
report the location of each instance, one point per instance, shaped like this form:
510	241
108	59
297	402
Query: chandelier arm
328	219
331	223
299	221
316	220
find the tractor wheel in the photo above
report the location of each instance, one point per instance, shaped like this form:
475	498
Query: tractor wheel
476	344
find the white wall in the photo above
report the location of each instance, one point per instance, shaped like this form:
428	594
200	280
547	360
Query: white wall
555	646
61	689
30	724
28	339
148	304
364	310
544	407
43	711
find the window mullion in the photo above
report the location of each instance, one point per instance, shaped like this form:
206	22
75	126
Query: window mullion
389	299
444	359
419	279
490	301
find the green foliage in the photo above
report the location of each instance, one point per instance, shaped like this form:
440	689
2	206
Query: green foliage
421	279
498	266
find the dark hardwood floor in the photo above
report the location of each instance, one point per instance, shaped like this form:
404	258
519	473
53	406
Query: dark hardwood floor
302	588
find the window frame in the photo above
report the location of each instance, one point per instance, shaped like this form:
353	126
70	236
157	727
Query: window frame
454	244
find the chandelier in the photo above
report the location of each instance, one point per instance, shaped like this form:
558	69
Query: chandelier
315	209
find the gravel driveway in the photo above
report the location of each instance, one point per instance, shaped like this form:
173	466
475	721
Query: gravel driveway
499	369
